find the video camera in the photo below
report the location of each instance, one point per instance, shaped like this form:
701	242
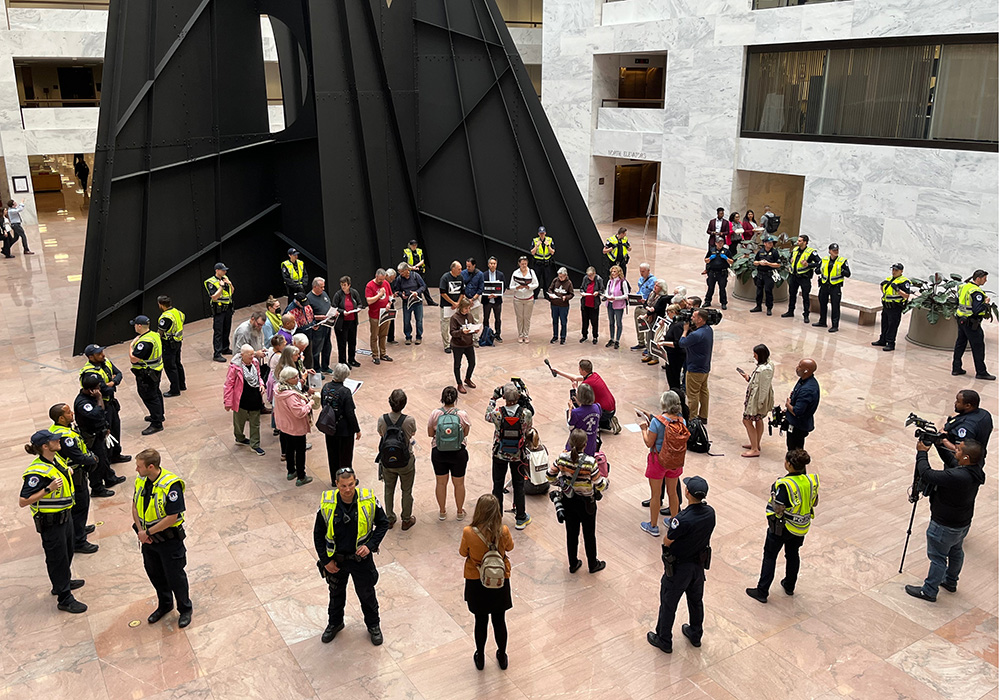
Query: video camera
524	401
778	418
926	431
714	316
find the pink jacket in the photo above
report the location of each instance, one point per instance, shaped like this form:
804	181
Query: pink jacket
292	412
232	390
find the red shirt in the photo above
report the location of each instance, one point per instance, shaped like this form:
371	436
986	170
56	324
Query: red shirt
371	289
602	394
589	301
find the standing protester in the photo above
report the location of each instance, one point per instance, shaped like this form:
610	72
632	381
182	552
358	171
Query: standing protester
450	289
759	399
687	553
697	345
293	274
617	249
411	289
293	417
973	307
591	291
736	234
251	332
895	293
48	491
242	394
803	262
413	256
493	303
340	445
109	379
790	511
666	437
448	429
272	310
378	296
171	328
801	405
347	302
718	228
769	220
14	216
473	291
305	322
319	301
750	225
485	541
349	527
220	292
523	282
616	293
717	269
542	250
463	344
673	367
146	354
390	278
158	521
953	502
766	260
832	272
396	459
93	423
512	423
656	308
560	291
579	481
81	461
646	288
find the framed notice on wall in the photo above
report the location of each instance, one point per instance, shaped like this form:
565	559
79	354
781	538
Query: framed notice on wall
20	183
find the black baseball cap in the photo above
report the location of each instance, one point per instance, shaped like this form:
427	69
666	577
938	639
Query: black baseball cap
292	251
41	437
834	246
697	486
92	349
897	266
140	320
221	266
541	229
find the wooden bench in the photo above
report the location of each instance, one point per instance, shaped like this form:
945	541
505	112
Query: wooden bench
866	313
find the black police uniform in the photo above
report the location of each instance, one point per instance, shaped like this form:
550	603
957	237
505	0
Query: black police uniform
970	331
765	277
92	420
222	319
976	425
165	558
831	293
800	282
112	408
147	384
56	530
717	267
82	465
363	571
778	537
691	533
892	314
172	365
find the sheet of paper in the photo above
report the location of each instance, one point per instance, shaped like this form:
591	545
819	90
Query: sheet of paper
473	327
353	385
632	427
447	311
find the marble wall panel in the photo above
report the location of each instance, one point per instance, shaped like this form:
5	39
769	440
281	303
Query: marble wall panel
602	195
623	119
960	209
622	12
46	141
61	118
975	172
51	20
896	201
827	21
735	29
43	44
528	41
905	17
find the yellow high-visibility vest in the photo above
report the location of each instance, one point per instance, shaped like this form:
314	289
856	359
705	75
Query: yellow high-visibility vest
154	510
366	516
60	499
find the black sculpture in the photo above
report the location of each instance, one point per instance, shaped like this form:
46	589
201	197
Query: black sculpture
404	119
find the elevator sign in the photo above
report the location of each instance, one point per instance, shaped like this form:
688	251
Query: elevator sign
639	155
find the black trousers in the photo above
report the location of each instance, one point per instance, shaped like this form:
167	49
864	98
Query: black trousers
339	454
147	384
294	449
347	341
470	354
545	272
18	233
765	287
673	371
493	310
689	579
577	517
892	314
773	544
969	332
222	326
81	507
173	367
102	474
591	317
112	409
717	279
500	468
319	339
57	543
795	439
831	293
799	284
365	577
164	563
324	340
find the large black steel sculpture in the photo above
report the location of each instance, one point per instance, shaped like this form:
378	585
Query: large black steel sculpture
404	119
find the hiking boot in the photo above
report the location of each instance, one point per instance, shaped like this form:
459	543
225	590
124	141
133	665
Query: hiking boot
330	632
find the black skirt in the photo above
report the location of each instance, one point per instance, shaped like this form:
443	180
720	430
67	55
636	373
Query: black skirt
484	600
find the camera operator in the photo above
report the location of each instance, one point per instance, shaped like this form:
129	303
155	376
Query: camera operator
970	422
578	483
676	356
953	500
801	405
697	342
656	307
602	395
512	422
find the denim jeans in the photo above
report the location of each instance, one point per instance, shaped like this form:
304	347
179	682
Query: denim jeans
417	311
615	322
560	314
944	549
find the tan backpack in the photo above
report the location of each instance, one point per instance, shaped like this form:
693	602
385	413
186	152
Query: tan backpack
493	569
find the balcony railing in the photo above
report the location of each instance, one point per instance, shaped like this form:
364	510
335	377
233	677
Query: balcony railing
58	4
769	4
627	102
61	102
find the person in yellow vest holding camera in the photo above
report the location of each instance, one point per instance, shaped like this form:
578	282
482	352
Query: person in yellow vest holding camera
973	307
832	273
146	354
895	291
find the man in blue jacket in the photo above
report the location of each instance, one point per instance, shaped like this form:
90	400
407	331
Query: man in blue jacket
802	404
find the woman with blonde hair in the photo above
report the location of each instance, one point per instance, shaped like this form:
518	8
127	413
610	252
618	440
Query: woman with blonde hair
759	398
616	292
487	532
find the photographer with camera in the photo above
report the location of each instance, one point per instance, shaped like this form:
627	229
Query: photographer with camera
602	395
578	486
512	422
953	492
697	342
970	422
801	405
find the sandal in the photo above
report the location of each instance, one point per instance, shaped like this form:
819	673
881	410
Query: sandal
442	516
748	454
460	515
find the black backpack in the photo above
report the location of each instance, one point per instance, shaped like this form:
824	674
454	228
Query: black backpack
332	412
772	224
698	442
394	447
510	435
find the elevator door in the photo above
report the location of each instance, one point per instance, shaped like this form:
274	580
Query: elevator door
634	183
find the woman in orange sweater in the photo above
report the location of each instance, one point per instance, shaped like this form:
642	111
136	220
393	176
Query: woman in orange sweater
487	528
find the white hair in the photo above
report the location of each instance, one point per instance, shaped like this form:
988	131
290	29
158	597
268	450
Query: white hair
670	403
288	375
644	266
300	340
246	348
562	271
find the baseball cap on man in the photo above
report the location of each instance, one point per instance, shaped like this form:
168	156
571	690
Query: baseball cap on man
221	266
541	229
697	486
834	246
140	321
292	251
92	349
897	266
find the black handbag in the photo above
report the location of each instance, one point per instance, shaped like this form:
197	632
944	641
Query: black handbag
327	421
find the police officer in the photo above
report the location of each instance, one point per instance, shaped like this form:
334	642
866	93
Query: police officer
293	274
686	555
542	251
413	255
789	512
970	422
171	327
766	261
158	521
802	263
349	526
48	490
616	249
92	421
973	306
220	292
74	450
832	272
146	354
110	379
895	291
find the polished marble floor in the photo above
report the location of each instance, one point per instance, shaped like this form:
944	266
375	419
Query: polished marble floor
849	632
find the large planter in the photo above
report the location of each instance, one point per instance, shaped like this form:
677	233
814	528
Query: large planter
936	336
747	291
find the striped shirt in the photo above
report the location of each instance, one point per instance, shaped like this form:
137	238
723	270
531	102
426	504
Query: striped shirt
587	481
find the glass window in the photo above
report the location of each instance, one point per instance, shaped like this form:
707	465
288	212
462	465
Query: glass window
965	99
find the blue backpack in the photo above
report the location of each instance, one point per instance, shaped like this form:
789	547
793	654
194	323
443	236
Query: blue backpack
486	337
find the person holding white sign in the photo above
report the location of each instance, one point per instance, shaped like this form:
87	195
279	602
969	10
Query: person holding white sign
463	329
523	282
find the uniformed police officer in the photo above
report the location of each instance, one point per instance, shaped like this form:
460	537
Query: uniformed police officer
349	526
110	379
413	256
686	555
895	291
146	354
832	273
766	260
973	307
220	292
74	450
92	421
789	512
801	265
293	274
970	422
171	327
616	250
48	490
542	251
157	518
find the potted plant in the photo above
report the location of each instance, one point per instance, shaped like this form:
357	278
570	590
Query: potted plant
934	304
746	274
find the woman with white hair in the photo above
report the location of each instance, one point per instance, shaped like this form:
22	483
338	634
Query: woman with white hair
242	394
340	445
559	293
666	437
293	418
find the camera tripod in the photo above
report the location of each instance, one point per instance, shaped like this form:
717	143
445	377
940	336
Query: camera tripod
916	490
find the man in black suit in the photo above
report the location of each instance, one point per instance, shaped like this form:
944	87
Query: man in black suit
493	303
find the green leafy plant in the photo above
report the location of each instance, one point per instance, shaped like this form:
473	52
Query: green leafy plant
743	266
938	296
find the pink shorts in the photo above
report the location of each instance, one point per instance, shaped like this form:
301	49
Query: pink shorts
655	471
